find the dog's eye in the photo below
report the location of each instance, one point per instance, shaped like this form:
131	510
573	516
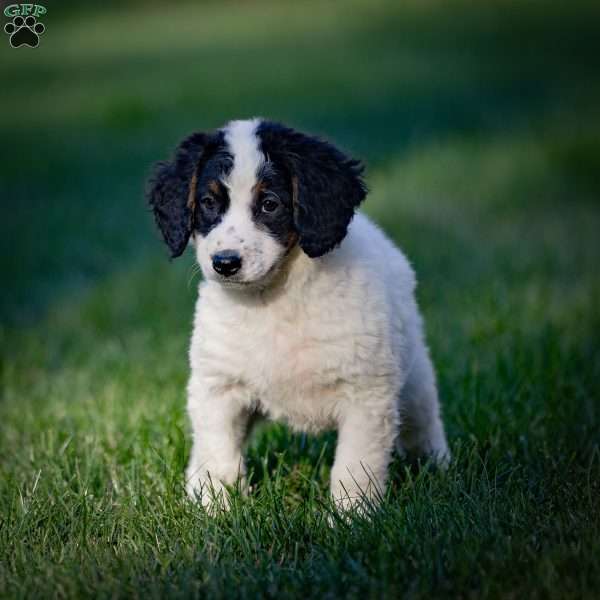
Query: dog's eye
208	202
270	204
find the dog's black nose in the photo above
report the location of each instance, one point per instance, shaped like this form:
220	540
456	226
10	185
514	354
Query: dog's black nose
227	263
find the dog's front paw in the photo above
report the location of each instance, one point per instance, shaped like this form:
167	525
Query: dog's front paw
212	494
351	497
346	508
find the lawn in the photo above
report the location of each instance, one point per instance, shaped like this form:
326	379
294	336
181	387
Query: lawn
480	127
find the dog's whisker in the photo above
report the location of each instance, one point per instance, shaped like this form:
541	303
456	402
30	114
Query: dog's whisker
194	270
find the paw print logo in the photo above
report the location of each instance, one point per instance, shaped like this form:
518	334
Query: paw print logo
24	32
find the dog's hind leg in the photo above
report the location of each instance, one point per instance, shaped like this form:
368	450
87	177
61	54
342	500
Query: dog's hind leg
421	432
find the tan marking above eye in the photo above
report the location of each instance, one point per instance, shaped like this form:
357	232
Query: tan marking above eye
258	187
213	186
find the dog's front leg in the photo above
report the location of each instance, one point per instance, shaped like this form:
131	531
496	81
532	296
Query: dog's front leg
365	442
219	416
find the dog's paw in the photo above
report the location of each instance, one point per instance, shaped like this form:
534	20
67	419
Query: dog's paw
24	32
350	500
212	495
344	511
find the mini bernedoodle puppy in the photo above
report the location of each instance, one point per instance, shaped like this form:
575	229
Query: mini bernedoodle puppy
305	314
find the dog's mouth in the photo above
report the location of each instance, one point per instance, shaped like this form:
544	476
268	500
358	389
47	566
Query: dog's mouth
232	283
260	283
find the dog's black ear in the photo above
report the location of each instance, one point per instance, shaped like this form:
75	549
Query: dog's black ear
169	192
326	185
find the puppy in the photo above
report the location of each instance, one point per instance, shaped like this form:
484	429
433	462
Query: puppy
305	314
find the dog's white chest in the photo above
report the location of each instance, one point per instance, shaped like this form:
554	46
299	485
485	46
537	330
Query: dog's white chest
296	365
334	335
297	359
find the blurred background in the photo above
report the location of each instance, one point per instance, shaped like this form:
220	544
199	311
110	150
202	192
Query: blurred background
479	123
467	116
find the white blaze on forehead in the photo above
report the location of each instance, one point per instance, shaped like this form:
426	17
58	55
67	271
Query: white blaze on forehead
243	144
259	250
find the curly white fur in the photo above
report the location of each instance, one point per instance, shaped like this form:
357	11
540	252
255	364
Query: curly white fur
335	342
331	342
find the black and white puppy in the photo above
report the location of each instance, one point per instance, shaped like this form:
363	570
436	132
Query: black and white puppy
304	315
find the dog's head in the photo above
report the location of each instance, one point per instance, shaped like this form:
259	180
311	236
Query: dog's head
248	193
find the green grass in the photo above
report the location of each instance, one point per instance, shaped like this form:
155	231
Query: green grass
480	126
